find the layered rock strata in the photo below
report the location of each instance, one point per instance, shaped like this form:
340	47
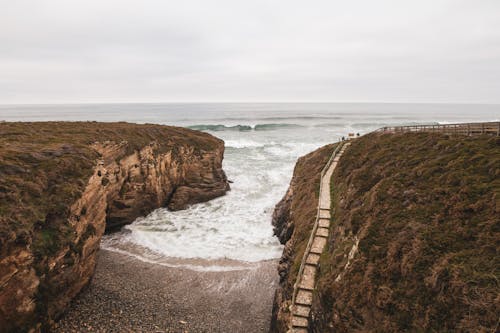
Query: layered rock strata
60	191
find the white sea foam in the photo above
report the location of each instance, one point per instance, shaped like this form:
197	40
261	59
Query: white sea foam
165	261
236	228
243	143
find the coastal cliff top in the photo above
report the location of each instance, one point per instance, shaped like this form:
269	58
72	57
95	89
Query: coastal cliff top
44	166
36	134
418	215
413	240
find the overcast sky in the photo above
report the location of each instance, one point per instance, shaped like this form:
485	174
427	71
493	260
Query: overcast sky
60	51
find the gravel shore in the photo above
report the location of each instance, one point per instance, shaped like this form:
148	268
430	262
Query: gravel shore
129	295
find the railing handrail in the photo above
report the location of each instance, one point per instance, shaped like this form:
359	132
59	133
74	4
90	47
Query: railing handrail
456	128
315	226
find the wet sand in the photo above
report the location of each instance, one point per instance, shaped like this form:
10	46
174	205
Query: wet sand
129	295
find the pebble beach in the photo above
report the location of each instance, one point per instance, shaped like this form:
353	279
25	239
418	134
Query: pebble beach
129	295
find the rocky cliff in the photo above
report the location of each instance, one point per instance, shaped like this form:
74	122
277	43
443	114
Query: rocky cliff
63	184
414	238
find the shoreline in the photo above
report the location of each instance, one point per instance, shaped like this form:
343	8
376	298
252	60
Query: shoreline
130	295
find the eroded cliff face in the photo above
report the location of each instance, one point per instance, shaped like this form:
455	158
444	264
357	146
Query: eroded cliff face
46	262
145	180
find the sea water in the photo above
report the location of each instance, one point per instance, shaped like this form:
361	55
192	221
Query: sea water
263	142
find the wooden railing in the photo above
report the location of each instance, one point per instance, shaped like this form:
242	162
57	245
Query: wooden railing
491	128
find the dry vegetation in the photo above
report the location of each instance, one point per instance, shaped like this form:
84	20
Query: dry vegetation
425	208
44	167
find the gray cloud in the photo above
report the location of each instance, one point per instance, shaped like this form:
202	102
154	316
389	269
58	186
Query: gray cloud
261	50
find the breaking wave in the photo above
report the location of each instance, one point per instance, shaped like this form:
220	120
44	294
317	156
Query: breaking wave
242	128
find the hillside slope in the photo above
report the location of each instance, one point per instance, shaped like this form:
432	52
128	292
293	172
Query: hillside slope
414	238
62	184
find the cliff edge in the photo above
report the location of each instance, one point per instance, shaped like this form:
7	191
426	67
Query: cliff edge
63	183
414	237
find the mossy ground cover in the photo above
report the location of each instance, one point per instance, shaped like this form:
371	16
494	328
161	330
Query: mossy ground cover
426	210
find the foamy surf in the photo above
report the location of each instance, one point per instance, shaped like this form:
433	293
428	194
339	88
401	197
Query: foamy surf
263	142
144	254
243	143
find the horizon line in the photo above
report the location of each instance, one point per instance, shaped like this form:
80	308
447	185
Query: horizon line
243	102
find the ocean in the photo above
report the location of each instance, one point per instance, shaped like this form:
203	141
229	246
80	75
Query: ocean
263	142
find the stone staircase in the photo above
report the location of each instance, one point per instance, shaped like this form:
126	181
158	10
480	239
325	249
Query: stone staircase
306	278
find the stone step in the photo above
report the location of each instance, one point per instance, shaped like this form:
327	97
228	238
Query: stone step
308	277
304	297
324	223
318	245
324	214
301	311
316	251
298	330
304	287
312	259
299	322
323	232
